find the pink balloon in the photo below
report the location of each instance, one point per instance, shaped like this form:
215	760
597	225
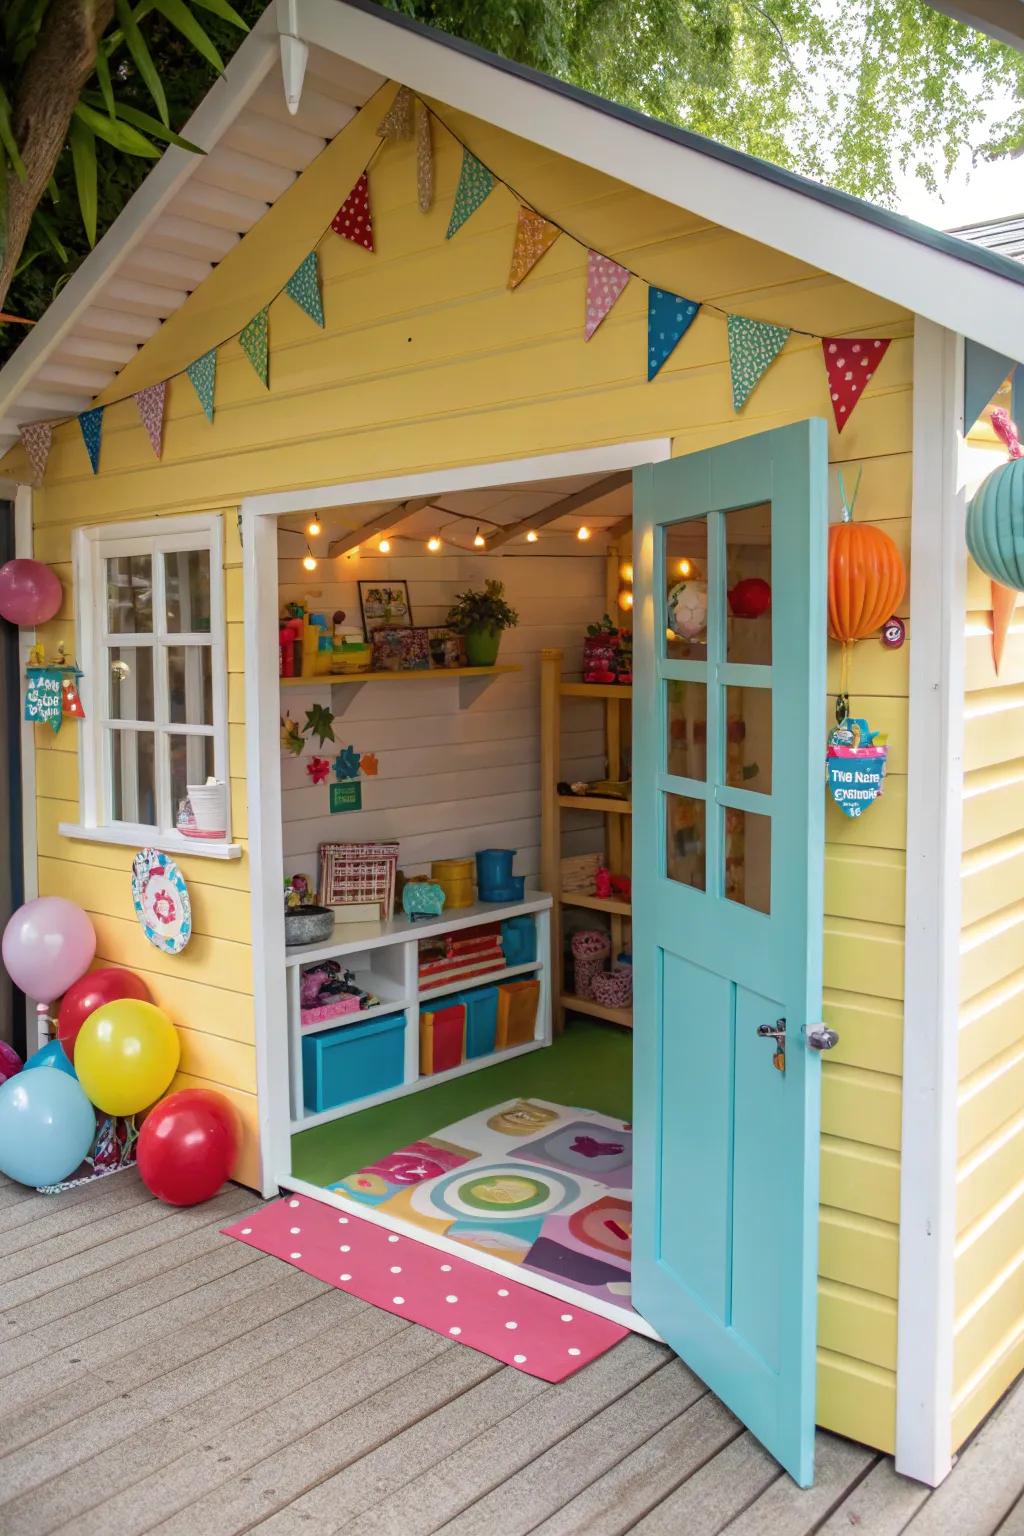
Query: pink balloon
30	593
48	944
10	1061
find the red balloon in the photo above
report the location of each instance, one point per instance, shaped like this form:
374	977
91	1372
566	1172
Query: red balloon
90	992
750	598
188	1145
10	1061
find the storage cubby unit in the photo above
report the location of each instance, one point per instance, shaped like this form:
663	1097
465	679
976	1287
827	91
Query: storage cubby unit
446	1002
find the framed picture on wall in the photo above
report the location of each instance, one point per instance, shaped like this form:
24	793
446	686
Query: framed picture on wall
385	605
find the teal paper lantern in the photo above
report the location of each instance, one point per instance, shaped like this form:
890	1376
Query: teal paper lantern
995	524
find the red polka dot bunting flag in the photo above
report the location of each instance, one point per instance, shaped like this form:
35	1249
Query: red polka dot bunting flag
850	361
352	219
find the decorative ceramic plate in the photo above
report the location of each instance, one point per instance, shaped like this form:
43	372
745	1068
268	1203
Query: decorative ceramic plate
160	896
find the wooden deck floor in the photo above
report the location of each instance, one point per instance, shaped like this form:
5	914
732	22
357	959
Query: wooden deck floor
155	1376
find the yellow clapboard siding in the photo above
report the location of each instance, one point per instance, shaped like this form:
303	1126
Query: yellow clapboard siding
987	1386
232	1063
236	649
993	727
859	1251
239	808
989	1173
982	1329
236	698
883	825
217	912
873	668
247	1168
990	1097
990	950
57	776
855	950
857	1400
859	1178
985	1249
870	1029
202	1008
867	883
234	601
860	1106
857	1323
233	874
979	668
992	878
991	1022
992	802
217	961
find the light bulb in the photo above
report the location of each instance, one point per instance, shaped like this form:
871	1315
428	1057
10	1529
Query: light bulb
309	561
384	547
686	567
626	571
583	533
433	544
625	600
532	536
313	529
478	540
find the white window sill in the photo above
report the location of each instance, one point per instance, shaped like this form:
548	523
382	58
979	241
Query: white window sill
142	837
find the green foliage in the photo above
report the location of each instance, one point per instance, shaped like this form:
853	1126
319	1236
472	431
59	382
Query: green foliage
481	610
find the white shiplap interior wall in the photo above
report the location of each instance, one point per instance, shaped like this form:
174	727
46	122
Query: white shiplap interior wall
458	762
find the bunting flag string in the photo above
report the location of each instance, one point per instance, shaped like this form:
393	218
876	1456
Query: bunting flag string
476	183
304	287
91	425
397	121
353	220
605	282
203	374
150	402
850	361
424	159
669	317
534	236
36	439
753	347
255	342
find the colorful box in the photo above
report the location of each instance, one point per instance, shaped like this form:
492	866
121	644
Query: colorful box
442	1037
519	939
344	1064
481	1005
517	1012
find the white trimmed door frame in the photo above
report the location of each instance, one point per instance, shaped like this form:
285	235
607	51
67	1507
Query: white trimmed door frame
938	563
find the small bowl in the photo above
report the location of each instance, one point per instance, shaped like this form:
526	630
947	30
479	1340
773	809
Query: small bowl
308	925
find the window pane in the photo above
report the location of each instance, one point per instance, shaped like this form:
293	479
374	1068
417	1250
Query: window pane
686	590
190	684
685	837
187	588
687	729
748	859
132	777
748	565
748	752
130	595
131	682
191	763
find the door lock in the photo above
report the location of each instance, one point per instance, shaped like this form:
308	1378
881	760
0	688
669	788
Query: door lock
821	1038
778	1034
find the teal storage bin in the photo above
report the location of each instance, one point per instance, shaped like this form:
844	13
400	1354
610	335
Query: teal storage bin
519	939
344	1064
481	1004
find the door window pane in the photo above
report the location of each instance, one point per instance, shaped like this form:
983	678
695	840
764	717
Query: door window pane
191	763
748	749
131	682
130	595
132	777
748	567
687	723
685	840
187	591
748	859
190	684
686	590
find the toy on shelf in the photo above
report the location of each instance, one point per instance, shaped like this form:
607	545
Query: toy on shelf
603	789
329	991
603	884
590	949
422	898
456	879
613	989
607	653
304	921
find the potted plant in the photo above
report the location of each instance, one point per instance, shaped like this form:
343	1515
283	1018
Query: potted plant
480	618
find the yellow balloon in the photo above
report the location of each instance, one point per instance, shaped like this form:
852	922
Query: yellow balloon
126	1055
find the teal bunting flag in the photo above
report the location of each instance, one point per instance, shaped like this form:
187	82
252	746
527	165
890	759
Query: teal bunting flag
255	340
753	347
91	424
669	317
475	184
304	287
203	373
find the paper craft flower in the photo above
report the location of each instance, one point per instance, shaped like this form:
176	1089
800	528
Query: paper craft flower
368	763
346	764
320	723
318	768
291	737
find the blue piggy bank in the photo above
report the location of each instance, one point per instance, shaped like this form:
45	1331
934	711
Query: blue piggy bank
422	898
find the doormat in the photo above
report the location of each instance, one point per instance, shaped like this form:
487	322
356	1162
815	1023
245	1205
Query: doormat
534	1183
522	1327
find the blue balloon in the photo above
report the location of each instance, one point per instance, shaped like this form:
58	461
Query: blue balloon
51	1055
47	1126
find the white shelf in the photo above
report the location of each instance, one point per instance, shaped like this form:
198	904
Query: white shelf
482	979
354	938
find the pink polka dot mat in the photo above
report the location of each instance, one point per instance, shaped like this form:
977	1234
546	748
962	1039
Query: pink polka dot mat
536	1333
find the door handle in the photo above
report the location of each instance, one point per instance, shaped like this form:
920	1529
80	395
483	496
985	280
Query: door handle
821	1038
778	1034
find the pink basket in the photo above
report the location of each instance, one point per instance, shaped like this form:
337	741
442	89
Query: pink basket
332	1010
613	989
590	949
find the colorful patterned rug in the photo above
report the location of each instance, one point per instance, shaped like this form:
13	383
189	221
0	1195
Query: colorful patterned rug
534	1183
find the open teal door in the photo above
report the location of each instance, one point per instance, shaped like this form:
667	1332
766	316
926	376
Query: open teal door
728	809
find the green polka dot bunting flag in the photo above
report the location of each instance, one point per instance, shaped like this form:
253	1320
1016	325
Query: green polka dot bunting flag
304	287
203	374
753	347
669	317
255	342
476	183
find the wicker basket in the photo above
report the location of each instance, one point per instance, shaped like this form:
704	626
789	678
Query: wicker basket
613	989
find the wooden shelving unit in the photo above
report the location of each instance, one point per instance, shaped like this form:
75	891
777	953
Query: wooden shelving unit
419	675
617	703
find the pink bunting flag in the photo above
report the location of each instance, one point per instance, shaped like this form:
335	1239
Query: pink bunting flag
605	282
850	362
352	219
36	439
150	402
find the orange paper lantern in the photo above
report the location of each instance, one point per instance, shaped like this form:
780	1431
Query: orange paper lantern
866	580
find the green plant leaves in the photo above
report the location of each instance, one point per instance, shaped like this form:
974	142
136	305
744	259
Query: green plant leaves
142	57
224	11
121	135
180	17
83	160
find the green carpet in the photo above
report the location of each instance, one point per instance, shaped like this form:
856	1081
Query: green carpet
590	1065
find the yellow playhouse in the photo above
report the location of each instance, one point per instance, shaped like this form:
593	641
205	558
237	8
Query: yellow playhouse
419	319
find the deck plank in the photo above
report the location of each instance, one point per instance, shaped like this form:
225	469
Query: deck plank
986	1482
705	1503
71	1206
786	1510
881	1505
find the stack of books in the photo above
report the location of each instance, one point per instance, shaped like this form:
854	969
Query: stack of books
460	956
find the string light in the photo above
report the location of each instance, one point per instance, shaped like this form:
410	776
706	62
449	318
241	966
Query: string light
532	536
313	529
309	560
478	540
625	600
626	572
384	547
583	533
686	567
433	544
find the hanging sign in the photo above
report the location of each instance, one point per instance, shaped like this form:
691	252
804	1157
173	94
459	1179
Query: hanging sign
52	693
856	759
346	796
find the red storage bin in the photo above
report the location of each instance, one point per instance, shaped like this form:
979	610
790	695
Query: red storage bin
442	1038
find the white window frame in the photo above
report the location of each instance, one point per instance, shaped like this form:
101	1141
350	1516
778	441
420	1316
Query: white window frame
154	537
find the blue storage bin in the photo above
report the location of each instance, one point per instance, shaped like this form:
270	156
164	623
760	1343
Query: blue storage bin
343	1064
481	1004
519	939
